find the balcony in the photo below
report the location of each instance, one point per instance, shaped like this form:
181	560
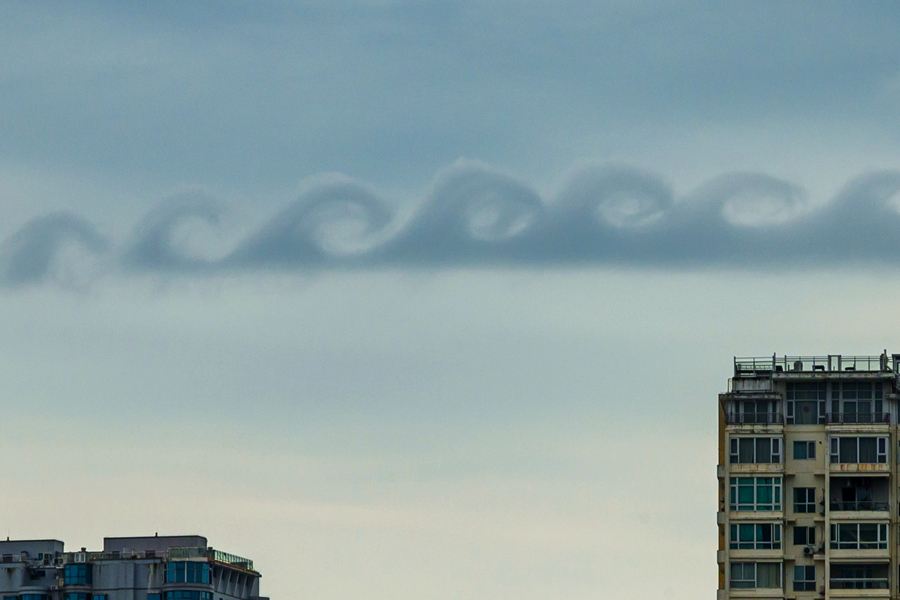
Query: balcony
860	583
766	418
857	418
856	495
860	576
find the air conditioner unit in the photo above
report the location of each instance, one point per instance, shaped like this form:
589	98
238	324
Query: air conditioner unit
809	550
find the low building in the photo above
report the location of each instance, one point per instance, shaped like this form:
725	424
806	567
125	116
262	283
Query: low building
128	568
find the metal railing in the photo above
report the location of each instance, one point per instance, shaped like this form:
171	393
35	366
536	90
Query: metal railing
873	583
831	363
216	555
13	558
180	553
858	417
232	559
858	505
766	418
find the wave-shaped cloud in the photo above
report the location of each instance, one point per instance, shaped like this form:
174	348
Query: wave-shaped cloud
477	216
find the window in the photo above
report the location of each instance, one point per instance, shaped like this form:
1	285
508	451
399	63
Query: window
859	536
78	574
857	402
32	597
804	450
75	596
749	450
804	536
804	579
188	595
187	572
804	500
153	596
756	536
755	575
859	450
755	493
756	411
806	402
99	596
859	577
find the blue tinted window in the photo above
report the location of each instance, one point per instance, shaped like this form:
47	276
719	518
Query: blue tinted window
187	572
188	595
78	574
76	596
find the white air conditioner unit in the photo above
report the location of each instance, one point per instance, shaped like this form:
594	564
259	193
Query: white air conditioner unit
809	550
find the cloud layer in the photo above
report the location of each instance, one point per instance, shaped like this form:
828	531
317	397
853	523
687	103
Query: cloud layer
476	216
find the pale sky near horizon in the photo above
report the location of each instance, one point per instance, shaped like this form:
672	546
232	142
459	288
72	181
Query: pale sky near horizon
426	299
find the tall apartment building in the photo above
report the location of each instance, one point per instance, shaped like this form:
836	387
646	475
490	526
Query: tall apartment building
130	568
808	478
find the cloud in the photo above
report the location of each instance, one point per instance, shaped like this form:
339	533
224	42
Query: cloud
476	216
32	254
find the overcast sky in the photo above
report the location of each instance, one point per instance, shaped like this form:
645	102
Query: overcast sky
426	299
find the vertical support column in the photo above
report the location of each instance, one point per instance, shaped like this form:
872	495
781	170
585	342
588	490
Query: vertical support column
826	542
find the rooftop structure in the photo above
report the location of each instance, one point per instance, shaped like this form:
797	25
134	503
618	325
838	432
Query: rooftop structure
128	568
808	478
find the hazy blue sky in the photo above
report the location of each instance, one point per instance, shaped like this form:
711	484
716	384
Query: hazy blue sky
426	299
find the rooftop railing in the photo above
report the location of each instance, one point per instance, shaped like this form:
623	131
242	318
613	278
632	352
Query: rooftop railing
216	555
181	553
810	364
13	558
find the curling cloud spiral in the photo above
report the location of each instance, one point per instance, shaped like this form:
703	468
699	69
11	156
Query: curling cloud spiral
476	216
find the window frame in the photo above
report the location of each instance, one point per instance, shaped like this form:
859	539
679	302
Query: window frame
754	582
735	541
836	442
806	583
794	392
809	449
776	450
776	484
882	535
809	534
805	505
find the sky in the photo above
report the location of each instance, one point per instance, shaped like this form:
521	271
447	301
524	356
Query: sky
426	299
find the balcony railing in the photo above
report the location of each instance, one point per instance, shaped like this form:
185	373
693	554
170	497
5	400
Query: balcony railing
858	505
766	418
858	417
859	583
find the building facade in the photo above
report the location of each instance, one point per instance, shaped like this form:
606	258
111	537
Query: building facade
130	568
808	478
